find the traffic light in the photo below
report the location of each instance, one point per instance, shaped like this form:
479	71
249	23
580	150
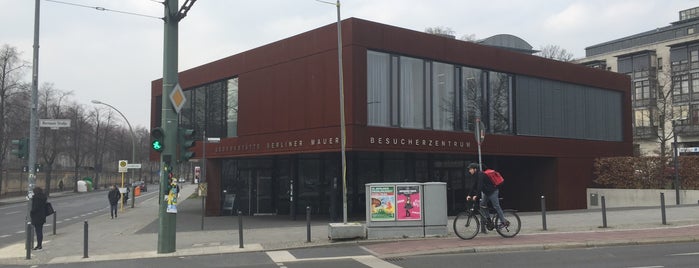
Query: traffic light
186	141
22	149
158	143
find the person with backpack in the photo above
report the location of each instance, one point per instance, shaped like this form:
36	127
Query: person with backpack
483	185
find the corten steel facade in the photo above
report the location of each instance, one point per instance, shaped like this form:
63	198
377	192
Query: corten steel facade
276	110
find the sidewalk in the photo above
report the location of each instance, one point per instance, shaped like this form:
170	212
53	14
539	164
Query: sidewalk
135	233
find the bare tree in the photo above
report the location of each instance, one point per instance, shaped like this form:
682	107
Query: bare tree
555	52
440	30
51	142
11	70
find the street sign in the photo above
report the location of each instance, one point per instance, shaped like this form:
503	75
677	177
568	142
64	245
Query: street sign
133	165
123	166
177	98
54	123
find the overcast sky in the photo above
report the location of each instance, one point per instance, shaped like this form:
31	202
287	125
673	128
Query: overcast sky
113	57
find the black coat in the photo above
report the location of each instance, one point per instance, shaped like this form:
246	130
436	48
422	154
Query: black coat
38	212
114	196
481	184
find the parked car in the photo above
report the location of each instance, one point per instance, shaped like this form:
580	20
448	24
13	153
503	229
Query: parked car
142	184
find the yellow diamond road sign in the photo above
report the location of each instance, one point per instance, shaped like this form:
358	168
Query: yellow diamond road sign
177	98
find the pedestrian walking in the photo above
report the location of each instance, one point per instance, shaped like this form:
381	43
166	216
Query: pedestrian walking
38	215
113	197
60	185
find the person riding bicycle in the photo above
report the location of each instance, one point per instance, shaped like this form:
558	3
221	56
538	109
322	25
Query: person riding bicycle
482	185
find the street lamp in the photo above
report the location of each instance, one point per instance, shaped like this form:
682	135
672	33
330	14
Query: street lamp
133	138
342	111
674	159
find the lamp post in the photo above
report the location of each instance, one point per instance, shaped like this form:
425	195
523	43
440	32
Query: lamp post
133	138
674	159
342	111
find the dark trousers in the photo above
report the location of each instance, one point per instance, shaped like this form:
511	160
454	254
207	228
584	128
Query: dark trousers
113	209
39	229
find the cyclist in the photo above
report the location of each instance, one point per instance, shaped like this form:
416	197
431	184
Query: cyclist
482	185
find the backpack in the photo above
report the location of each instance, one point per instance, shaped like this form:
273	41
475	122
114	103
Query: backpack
494	176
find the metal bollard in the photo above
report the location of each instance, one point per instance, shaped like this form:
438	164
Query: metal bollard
85	240
543	212
240	229
662	207
54	222
308	223
29	241
604	214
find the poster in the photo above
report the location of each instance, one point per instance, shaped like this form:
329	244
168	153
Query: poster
408	205
383	199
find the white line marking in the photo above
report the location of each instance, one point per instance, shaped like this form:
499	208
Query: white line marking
685	254
281	256
3	236
375	262
13	212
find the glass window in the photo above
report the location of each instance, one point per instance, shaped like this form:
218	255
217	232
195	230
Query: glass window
443	98
471	97
499	102
378	83
680	84
695	83
412	93
215	109
694	119
232	112
642	90
642	118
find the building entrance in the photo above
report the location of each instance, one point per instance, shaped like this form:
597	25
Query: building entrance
259	191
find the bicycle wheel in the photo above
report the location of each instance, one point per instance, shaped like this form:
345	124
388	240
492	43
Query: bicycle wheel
466	225
512	229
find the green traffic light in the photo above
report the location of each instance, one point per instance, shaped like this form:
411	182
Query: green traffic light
157	145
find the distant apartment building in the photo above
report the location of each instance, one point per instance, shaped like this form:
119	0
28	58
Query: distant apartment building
663	65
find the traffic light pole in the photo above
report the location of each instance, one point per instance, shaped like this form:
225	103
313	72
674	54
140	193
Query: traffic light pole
166	221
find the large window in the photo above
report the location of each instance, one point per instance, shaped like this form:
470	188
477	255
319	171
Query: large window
212	109
412	93
499	102
472	97
444	102
409	92
378	88
232	111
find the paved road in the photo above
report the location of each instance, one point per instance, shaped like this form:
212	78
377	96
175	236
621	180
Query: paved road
134	235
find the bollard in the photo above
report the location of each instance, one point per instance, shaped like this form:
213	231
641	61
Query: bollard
240	229
29	241
54	222
85	240
543	212
604	214
308	223
662	207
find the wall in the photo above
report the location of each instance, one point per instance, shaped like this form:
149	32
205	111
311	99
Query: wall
638	197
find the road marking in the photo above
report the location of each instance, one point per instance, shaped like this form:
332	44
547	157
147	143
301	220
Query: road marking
282	256
13	212
375	262
685	254
20	232
3	236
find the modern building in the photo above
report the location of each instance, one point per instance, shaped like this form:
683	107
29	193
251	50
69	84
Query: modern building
663	65
412	101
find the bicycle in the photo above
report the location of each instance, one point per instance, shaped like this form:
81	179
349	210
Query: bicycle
467	224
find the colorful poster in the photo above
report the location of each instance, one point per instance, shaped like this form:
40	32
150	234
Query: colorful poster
408	207
383	199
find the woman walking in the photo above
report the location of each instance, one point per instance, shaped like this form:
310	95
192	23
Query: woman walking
38	215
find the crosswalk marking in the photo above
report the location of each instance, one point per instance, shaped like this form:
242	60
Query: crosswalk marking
282	256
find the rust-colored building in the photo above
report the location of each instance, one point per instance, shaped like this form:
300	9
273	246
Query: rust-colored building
411	103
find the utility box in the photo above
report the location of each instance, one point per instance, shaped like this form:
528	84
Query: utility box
406	209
